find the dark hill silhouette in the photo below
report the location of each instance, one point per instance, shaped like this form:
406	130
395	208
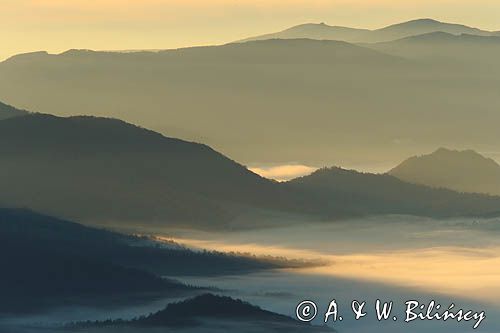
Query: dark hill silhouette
57	236
49	262
44	264
98	170
385	194
211	306
209	311
323	31
7	111
464	171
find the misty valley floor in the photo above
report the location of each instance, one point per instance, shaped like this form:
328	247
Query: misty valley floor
390	258
371	259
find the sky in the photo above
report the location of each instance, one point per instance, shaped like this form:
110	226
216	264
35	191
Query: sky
59	25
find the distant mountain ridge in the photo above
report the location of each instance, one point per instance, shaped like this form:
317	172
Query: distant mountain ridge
464	171
270	81
353	35
444	47
274	51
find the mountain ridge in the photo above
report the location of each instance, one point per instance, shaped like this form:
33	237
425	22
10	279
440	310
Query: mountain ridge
48	266
99	170
270	51
459	170
387	194
445	49
8	111
112	151
52	262
355	35
283	79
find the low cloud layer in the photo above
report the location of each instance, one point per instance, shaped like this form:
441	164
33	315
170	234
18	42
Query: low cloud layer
283	172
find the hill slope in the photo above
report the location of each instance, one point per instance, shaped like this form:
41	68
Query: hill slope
171	259
385	194
353	35
101	170
464	171
105	169
7	111
210	313
49	262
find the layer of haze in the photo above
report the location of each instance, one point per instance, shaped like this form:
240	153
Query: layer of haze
57	25
454	257
283	172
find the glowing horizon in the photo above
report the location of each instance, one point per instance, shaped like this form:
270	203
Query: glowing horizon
56	26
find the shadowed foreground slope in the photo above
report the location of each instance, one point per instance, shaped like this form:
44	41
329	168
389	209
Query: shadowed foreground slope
48	261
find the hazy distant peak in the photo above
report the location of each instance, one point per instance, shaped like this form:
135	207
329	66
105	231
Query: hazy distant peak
428	23
355	35
464	154
315	31
310	25
415	23
460	170
28	56
440	36
77	52
321	26
443	150
453	155
425	21
431	35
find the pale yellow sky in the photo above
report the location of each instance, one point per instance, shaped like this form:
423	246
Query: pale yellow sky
58	25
